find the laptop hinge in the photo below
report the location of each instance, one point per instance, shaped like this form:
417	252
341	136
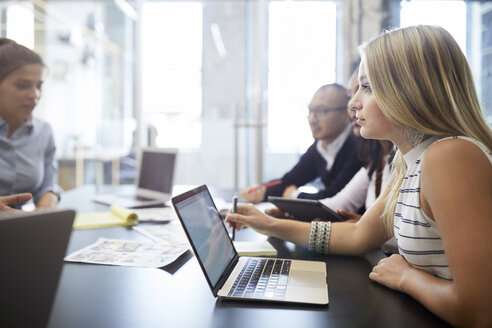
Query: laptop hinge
225	275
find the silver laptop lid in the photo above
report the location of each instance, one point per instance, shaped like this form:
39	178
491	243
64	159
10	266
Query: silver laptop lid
207	234
32	247
156	172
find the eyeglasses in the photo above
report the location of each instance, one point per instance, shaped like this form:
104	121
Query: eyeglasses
322	111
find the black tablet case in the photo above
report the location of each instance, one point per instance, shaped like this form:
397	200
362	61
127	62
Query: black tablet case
305	209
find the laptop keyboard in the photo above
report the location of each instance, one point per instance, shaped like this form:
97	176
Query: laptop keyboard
262	278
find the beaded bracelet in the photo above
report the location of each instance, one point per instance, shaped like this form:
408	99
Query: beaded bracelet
319	237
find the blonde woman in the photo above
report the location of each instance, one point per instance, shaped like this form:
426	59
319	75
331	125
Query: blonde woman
416	90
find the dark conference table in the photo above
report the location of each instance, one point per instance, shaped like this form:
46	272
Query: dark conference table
178	295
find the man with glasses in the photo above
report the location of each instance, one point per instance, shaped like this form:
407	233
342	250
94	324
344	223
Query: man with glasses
330	160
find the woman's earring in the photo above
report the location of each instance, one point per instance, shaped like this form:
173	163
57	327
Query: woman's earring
413	136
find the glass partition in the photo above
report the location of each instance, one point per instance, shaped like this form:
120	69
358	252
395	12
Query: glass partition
88	95
226	82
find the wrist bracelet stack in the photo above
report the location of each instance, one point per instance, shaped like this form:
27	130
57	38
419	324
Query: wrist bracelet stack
319	238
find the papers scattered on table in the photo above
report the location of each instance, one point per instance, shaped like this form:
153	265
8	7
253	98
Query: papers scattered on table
127	253
255	248
173	234
165	234
117	215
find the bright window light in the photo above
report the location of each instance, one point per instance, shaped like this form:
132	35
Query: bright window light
171	76
301	57
20	25
450	15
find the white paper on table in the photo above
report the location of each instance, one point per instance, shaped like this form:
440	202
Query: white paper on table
127	253
164	234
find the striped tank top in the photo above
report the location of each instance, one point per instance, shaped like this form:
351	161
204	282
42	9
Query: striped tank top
419	240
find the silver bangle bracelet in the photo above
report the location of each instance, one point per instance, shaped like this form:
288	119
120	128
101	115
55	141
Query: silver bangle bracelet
319	237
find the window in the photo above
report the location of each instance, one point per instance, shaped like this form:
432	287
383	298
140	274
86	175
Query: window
20	24
171	72
301	58
468	24
450	15
88	49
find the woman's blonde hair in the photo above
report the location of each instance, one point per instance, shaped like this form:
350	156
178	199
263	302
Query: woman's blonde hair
422	80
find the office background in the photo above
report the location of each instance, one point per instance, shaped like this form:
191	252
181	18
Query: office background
225	82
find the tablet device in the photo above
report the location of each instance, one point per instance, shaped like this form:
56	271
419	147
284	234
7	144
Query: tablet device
305	209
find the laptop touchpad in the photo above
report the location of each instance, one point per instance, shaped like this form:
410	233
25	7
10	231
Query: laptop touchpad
299	278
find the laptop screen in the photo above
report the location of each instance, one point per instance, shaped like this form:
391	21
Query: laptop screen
156	171
207	233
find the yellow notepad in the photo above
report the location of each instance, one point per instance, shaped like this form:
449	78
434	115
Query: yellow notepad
117	215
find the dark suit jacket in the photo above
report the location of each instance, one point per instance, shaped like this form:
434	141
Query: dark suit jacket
312	165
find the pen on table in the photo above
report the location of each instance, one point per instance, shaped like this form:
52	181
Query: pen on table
266	185
234	210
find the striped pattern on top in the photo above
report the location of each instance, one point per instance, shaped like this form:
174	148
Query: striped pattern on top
419	240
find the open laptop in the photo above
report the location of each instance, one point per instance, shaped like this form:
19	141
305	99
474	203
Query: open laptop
154	181
32	247
235	277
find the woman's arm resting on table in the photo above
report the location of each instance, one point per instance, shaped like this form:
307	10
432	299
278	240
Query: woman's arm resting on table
48	200
48	194
358	238
456	191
